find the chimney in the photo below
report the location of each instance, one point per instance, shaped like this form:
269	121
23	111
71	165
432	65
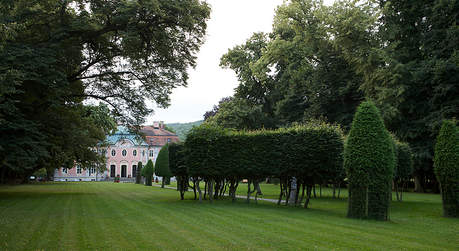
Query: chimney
161	124
156	125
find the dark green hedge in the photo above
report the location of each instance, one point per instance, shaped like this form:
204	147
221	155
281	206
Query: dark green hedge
369	159
446	167
312	153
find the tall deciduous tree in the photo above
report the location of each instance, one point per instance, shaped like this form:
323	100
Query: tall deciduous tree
407	54
54	55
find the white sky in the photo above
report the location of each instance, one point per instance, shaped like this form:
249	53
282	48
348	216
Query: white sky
231	23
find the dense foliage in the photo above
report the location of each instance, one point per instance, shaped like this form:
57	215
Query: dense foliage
178	167
403	169
320	62
369	160
162	164
447	166
56	56
311	153
148	172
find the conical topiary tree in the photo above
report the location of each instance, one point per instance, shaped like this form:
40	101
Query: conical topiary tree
369	160
162	164
148	171
446	167
138	171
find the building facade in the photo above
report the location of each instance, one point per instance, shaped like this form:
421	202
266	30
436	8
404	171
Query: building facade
123	153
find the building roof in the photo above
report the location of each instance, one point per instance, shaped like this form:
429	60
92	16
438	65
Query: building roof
155	131
123	133
154	136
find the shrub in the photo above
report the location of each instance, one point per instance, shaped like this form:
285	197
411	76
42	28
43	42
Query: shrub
369	160
446	167
148	171
138	177
162	164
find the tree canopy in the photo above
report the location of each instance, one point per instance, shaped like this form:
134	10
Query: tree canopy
56	57
320	62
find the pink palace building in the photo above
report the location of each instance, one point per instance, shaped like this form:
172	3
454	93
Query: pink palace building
125	150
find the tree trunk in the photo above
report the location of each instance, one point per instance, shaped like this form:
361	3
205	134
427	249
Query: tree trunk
162	182
297	194
194	188
334	190
248	190
205	190
339	189
314	191
308	195
418	184
199	191
396	190
281	185
293	192
302	193
211	186
289	190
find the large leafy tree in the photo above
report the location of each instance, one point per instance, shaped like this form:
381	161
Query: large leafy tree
238	113
55	55
295	73
312	77
257	92
407	54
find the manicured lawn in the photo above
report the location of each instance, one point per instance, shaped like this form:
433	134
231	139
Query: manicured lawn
69	216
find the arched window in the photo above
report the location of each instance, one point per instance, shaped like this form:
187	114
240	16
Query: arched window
113	152
134	152
124	152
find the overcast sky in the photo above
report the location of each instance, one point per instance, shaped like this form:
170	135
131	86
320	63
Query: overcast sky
231	23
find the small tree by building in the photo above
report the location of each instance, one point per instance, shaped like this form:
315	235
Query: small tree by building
162	164
138	177
148	171
369	159
446	167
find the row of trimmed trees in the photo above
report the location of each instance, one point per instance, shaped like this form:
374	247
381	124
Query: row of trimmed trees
162	169
371	159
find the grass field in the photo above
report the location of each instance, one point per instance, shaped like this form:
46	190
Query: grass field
71	216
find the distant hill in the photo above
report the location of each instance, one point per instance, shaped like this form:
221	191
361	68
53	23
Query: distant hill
181	129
